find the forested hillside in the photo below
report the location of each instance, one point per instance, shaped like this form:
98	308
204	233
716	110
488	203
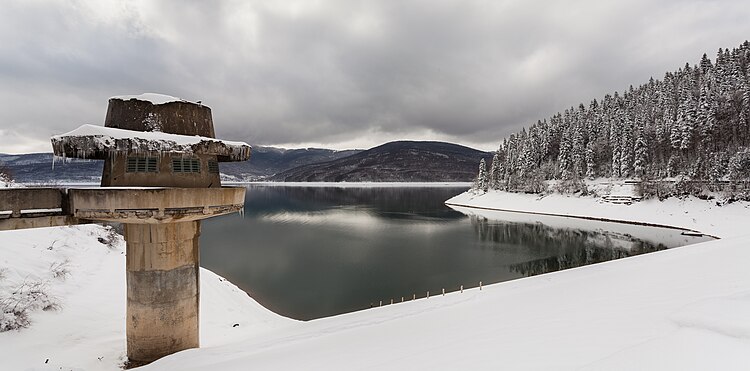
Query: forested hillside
692	127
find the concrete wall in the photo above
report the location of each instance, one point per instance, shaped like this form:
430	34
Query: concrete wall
111	199
115	174
17	199
184	118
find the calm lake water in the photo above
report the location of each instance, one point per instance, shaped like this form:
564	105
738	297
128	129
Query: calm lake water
311	252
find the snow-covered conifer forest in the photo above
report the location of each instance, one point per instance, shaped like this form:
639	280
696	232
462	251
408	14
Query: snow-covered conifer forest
688	133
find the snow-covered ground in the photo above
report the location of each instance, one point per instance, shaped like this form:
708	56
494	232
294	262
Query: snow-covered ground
80	276
678	309
690	213
7	182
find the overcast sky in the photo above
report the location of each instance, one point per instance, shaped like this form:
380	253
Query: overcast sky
343	74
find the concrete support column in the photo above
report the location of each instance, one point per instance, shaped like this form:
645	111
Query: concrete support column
163	289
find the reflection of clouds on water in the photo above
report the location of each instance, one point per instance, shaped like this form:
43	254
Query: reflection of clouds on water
341	217
359	219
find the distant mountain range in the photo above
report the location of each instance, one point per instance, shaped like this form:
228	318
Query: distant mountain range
43	169
268	161
404	161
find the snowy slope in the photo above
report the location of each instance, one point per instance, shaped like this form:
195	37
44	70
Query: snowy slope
678	309
681	309
87	330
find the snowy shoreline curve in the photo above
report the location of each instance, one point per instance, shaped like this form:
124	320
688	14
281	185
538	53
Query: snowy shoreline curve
689	214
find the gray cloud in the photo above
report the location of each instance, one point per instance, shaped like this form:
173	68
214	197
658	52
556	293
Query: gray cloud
343	72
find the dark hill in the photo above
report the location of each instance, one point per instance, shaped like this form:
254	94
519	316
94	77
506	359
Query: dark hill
401	161
38	168
268	161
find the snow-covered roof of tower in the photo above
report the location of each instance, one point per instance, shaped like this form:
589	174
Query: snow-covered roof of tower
98	142
154	98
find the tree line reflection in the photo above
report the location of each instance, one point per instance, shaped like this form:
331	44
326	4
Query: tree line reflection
560	248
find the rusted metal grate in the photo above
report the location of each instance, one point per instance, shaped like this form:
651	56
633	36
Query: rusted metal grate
213	167
186	165
142	165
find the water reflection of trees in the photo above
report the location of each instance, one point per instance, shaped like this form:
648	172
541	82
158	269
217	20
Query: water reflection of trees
564	248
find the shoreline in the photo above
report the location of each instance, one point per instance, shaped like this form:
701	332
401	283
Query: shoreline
688	214
592	218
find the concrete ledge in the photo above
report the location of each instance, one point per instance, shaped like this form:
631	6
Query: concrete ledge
154	205
18	201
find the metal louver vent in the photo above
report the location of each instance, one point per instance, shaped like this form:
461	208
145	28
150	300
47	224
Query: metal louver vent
186	165
213	167
141	165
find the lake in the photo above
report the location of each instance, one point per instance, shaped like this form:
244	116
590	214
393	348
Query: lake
311	252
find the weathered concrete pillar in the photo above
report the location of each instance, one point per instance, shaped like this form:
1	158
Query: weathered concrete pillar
163	289
162	246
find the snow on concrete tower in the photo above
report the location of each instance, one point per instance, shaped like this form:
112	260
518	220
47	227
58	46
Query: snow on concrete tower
171	116
154	140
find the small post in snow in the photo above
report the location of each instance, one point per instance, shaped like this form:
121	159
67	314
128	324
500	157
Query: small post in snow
462	289
414	297
380	304
444	291
480	285
402	299
428	294
391	301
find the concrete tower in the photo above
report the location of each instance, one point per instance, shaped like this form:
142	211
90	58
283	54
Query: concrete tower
157	141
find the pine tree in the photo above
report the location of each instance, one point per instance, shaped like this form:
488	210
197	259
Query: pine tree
704	117
496	172
563	158
590	160
641	156
482	180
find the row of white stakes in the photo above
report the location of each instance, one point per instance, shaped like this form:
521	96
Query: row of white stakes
414	296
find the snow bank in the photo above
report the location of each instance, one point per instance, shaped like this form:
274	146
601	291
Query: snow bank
689	213
82	269
7	182
154	98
